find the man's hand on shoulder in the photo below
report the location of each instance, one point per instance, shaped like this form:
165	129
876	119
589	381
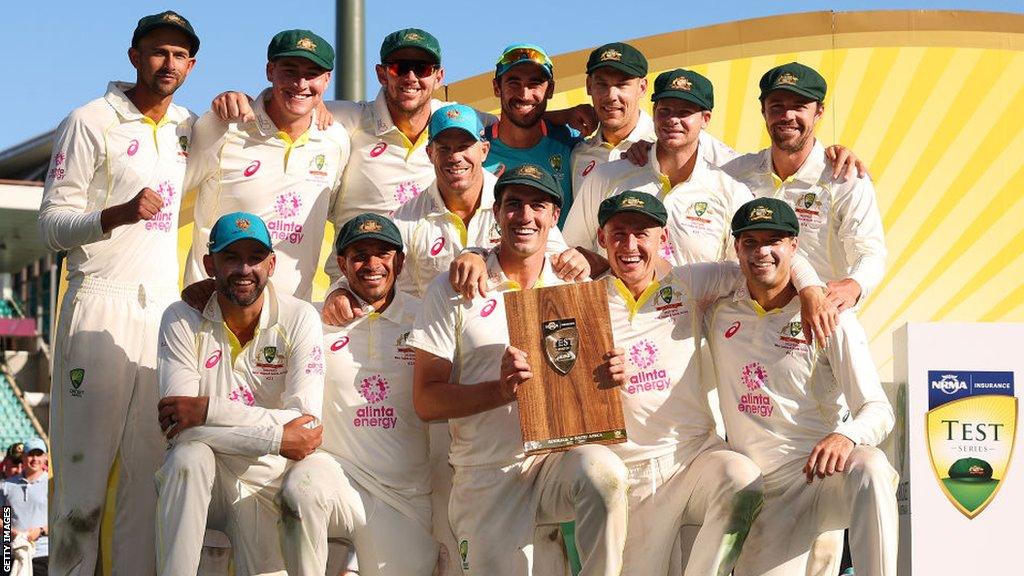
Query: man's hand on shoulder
638	153
467	275
340	308
571	266
845	164
179	413
233	107
197	294
299	440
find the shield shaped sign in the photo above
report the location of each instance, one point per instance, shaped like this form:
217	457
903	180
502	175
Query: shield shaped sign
77	375
971	438
561	343
270	352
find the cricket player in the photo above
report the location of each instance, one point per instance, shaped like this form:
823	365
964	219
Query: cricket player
370	481
524	82
840	226
680	471
809	417
111	201
279	166
616	82
466	371
241	382
700	197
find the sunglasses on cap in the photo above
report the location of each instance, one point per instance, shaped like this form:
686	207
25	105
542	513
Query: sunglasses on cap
421	68
521	54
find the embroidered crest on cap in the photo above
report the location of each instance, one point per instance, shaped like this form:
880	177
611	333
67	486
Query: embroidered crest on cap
631	202
681	83
242	224
528	170
786	79
453	113
611	54
171	17
306	44
370	226
761	213
413	37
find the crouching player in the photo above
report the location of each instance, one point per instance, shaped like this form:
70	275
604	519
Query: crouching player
241	383
370	482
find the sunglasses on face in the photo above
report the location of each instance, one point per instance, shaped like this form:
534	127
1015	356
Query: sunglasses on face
420	68
521	54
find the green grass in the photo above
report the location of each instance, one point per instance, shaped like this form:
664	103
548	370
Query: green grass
970	494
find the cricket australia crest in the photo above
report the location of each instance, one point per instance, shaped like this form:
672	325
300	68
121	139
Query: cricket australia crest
561	343
971	426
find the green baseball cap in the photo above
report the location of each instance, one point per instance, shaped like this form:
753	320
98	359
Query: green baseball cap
411	38
455	116
523	53
620	56
231	228
302	44
964	469
794	77
530	175
765	214
632	201
368	225
168	19
686	85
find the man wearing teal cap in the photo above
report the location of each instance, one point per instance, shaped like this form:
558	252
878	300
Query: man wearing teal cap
110	201
279	166
241	385
23	499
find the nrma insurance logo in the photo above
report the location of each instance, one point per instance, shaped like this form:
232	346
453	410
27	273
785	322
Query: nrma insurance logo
971	426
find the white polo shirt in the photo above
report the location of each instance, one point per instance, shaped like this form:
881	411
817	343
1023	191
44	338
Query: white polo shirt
699	210
780	396
472	335
254	389
434	236
386	170
369	421
104	154
840	226
254	167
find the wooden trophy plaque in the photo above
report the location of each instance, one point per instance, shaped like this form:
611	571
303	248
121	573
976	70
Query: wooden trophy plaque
565	332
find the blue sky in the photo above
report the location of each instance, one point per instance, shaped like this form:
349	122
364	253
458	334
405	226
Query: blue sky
60	54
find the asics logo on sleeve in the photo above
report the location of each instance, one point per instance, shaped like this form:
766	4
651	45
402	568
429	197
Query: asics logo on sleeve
732	330
133	147
252	168
214	359
488	308
378	149
339	344
589	167
436	247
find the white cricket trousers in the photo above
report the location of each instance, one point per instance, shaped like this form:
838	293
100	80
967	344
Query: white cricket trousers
720	490
103	425
320	501
863	499
234	494
494	511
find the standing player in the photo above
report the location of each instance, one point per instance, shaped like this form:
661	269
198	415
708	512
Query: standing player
279	166
808	417
370	482
524	82
466	371
111	201
240	384
699	196
840	227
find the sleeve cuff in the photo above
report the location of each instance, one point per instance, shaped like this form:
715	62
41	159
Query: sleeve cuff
275	442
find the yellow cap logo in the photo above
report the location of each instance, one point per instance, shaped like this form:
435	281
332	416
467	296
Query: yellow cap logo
529	171
759	213
370	226
453	113
786	79
306	44
172	17
242	223
611	54
681	83
631	202
413	37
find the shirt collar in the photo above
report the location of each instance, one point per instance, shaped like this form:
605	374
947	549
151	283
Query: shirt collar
486	196
808	173
497	280
125	108
699	167
268	315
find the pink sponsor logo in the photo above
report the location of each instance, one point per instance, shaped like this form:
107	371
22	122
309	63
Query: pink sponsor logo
133	147
242	393
378	149
667	250
488	308
57	171
288	205
214	359
754	376
316	361
733	329
406	191
589	167
251	168
374	389
436	247
339	344
643	354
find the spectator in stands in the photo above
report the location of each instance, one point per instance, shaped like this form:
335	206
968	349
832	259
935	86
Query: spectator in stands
26	496
11	465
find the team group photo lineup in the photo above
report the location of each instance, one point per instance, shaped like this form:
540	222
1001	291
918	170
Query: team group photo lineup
220	417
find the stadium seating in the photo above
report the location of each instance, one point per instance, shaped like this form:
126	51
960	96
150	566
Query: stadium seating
15	425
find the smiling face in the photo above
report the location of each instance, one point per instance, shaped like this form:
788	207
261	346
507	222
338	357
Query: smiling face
241	270
632	241
616	97
791	119
297	85
162	61
458	160
678	122
524	91
408	92
34	463
765	257
371	266
525	215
